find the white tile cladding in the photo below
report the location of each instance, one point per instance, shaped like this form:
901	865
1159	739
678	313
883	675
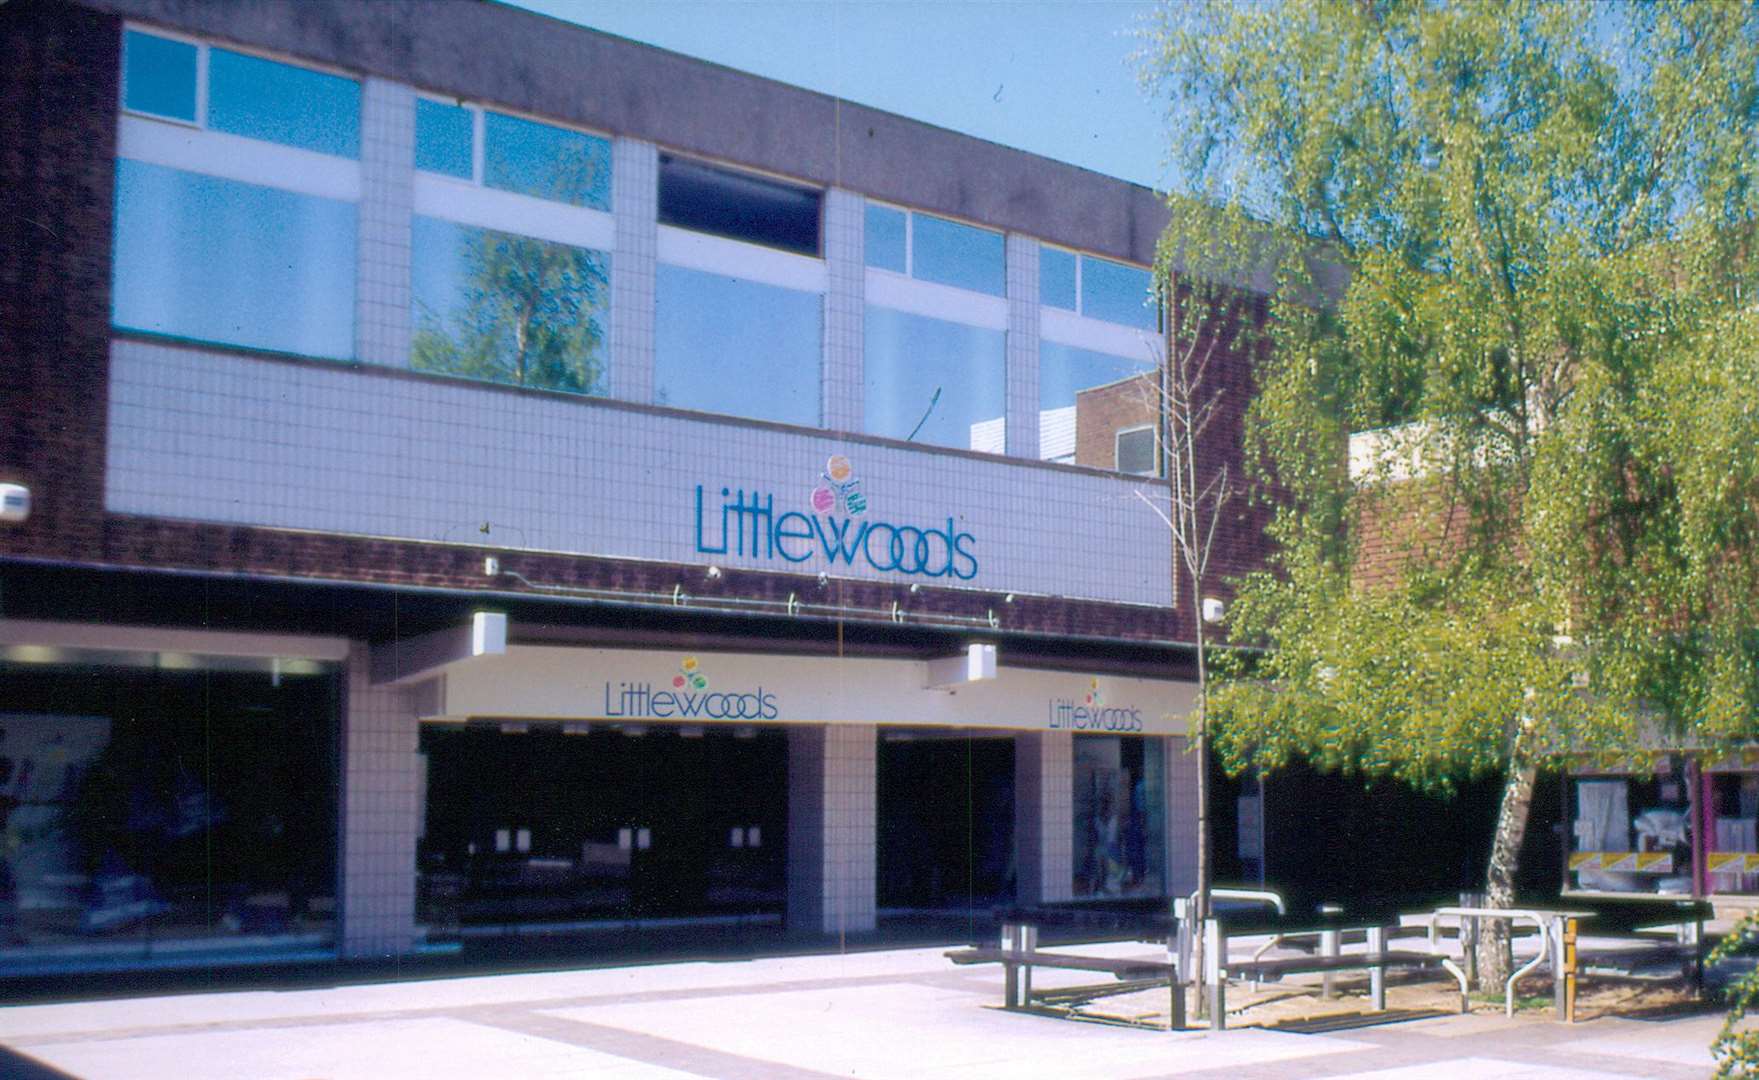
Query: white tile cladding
217	437
542	682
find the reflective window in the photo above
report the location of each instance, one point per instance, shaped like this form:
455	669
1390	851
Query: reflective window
545	161
158	75
1116	293
1120	816
1136	452
263	99
885	238
216	260
509	309
740	206
726	345
1085	398
443	138
1056	278
935	382
952	253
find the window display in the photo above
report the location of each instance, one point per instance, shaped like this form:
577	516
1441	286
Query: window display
1120	816
1633	834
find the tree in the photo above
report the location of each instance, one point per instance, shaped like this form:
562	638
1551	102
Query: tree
1515	240
530	316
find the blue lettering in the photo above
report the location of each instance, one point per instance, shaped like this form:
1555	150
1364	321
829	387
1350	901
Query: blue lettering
786	532
839	529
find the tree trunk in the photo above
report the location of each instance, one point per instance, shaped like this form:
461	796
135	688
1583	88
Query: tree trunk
1494	958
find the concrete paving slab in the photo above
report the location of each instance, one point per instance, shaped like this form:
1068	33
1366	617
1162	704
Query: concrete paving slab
1482	1069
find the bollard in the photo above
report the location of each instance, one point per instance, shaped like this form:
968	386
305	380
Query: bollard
1329	945
1213	964
1569	971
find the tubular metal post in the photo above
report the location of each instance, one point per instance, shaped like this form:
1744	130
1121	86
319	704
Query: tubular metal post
1330	942
1214	964
1377	975
1569	971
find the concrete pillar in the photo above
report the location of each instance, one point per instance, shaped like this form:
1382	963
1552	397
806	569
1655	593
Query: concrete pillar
382	320
1022	393
380	808
1182	769
635	197
1044	816
831	836
845	310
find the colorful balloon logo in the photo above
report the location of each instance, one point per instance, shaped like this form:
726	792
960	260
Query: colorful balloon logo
689	676
838	469
822	500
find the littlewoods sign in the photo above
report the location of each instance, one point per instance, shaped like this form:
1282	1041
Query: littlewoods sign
746	523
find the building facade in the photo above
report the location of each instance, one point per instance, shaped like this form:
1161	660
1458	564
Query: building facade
470	472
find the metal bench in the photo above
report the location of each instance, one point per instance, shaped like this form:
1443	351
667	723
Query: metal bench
1376	961
1018	960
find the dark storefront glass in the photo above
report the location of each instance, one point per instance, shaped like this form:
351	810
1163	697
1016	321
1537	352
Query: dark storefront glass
1632	833
946	820
164	807
1120	816
556	823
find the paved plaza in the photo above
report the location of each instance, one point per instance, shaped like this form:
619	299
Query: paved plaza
899	1013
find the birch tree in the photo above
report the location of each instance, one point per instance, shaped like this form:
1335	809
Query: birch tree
1540	216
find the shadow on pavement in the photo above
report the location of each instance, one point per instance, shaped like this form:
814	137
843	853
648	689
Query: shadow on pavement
16	1066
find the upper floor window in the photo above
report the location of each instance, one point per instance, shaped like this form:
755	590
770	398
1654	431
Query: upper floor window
510	153
1097	288
936	249
740	206
239	94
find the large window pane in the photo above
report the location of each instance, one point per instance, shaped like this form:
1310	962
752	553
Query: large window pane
1120	815
509	309
1085	398
548	162
725	345
216	260
885	238
262	99
1116	293
1633	833
160	75
956	254
935	382
443	138
1056	278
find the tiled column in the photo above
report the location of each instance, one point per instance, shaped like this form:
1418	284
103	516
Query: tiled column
831	837
1044	816
387	200
1022	346
635	194
1182	766
845	309
380	778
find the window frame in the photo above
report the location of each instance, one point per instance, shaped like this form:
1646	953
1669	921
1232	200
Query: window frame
909	272
453	185
1080	309
1159	456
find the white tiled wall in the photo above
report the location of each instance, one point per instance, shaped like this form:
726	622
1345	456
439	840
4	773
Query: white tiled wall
221	437
845	308
832	840
380	808
1182	768
1044	812
635	170
1024	414
387	175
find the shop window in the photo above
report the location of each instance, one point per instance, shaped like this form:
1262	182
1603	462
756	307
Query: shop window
509	309
217	260
151	803
159	76
275	102
1120	816
1733	856
729	345
703	198
1632	834
935	382
1088	400
936	249
444	139
1097	288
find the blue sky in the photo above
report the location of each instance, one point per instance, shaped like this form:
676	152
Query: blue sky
1055	77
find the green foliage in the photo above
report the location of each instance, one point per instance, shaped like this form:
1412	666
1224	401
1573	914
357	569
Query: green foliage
1516	238
1736	1047
530	315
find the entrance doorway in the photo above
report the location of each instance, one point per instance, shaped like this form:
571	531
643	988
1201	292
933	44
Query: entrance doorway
536	823
946	820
